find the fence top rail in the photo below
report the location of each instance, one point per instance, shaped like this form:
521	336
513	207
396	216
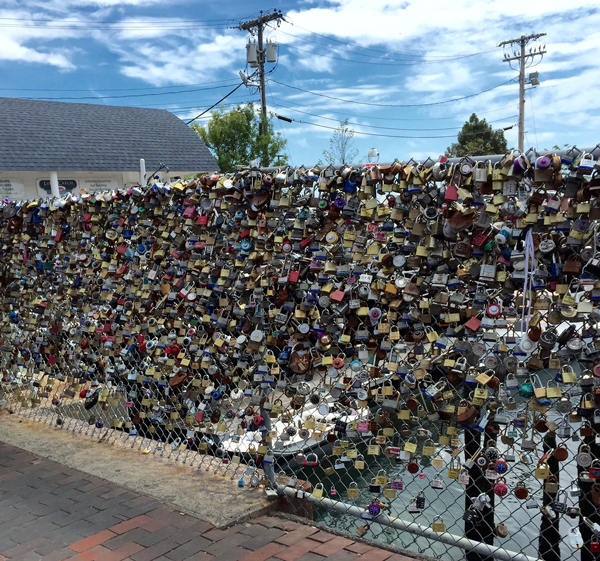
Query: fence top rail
531	154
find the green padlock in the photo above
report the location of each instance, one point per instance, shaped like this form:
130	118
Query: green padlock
526	389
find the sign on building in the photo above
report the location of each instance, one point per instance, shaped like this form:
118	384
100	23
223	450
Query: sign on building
95	185
64	186
10	189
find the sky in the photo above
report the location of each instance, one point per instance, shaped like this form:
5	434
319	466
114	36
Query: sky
406	74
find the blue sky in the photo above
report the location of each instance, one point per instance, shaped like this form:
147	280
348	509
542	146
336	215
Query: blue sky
384	64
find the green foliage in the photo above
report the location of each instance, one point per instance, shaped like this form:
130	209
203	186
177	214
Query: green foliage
234	137
477	138
341	146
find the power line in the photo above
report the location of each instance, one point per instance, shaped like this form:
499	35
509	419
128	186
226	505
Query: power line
415	63
111	22
378	50
382	135
111	90
395	105
420	119
423	57
178	107
196	107
386	128
131	95
217	103
93	27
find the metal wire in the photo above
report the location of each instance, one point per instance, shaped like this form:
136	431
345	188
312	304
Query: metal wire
127	357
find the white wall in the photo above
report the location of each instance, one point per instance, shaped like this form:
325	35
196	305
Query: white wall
16	185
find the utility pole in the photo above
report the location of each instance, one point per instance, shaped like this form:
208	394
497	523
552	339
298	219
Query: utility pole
525	60
257	26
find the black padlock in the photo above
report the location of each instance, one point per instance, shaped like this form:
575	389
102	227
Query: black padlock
420	501
472	516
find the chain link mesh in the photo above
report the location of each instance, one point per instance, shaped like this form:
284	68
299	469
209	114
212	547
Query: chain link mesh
363	412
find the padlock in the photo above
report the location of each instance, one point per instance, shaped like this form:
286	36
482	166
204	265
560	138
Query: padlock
437	525
500	488
520	491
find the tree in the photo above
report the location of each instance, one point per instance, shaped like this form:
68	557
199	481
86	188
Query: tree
341	146
234	137
477	138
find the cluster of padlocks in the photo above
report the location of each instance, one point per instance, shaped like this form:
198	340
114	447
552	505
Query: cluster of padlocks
378	321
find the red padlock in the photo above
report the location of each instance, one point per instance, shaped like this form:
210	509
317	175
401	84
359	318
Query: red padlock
311	461
258	420
594	470
595	546
338	363
480	239
451	193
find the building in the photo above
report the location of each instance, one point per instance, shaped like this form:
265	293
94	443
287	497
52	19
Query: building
96	147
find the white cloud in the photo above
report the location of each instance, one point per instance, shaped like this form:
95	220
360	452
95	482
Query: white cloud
392	37
168	62
33	44
10	50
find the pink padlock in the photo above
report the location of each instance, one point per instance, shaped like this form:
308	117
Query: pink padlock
500	487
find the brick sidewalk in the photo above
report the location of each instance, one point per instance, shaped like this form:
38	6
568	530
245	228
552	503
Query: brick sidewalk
51	512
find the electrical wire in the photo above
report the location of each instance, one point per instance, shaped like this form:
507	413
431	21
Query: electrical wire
113	89
369	62
423	57
197	104
396	105
379	50
217	103
420	119
224	20
383	135
184	110
385	128
131	95
113	28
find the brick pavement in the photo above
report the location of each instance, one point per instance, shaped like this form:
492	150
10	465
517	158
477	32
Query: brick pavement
51	512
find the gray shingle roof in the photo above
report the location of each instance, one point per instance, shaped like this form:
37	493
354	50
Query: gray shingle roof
55	136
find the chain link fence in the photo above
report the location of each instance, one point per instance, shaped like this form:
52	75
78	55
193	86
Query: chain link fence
360	390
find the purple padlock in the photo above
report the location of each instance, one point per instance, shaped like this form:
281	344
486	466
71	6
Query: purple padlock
520	165
543	163
374	509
